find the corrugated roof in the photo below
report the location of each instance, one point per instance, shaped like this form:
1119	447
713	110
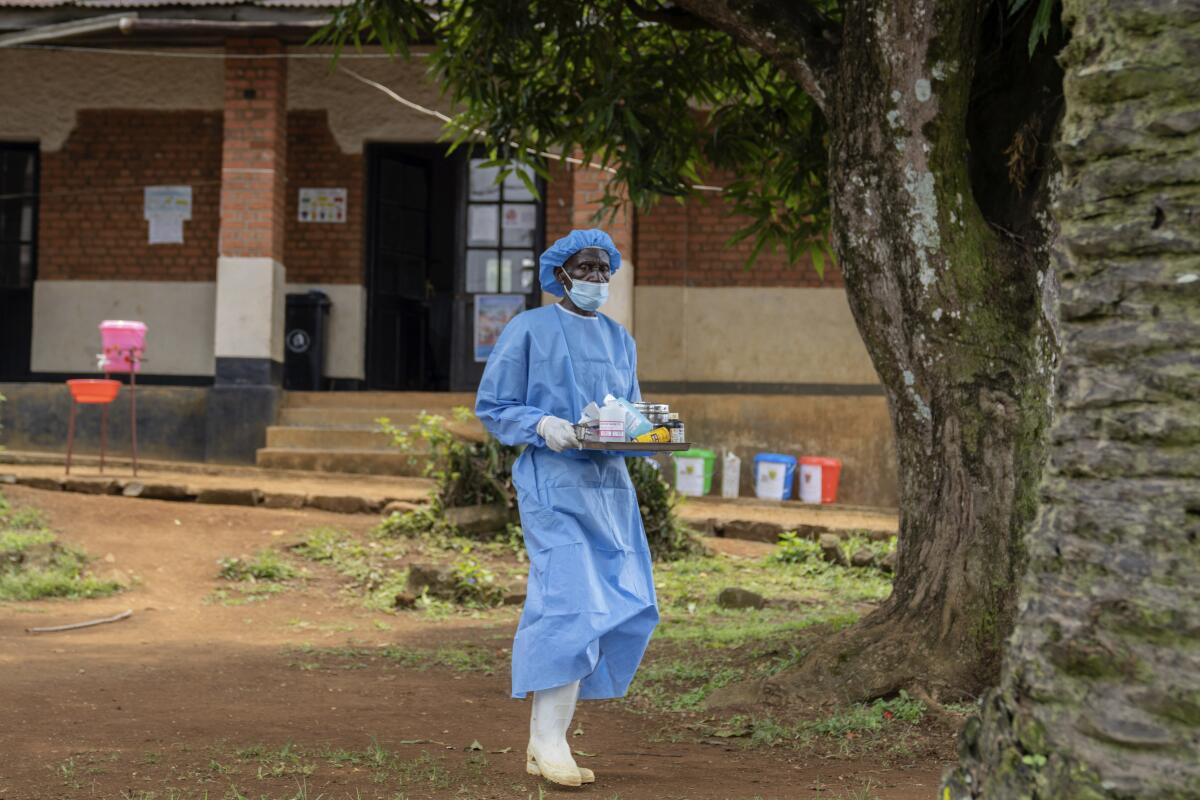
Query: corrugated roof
132	4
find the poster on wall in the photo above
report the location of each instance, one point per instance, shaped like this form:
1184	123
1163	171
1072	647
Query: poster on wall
492	313
166	208
522	217
322	205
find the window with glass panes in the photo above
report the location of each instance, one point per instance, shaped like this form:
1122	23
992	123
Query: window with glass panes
18	205
501	226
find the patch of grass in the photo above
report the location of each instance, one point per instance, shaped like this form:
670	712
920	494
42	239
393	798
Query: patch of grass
277	762
266	565
864	717
864	792
419	522
794	549
244	594
376	577
35	565
253	580
424	769
456	658
859	720
664	684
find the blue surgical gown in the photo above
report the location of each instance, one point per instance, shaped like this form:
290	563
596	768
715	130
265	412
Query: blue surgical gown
590	606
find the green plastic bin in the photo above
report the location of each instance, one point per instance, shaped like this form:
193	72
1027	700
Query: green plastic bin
694	471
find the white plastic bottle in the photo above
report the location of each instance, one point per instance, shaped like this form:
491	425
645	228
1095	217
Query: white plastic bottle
612	423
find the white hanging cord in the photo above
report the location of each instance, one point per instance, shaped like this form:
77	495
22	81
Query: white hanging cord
450	121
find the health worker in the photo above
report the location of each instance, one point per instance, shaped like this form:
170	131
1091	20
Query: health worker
590	605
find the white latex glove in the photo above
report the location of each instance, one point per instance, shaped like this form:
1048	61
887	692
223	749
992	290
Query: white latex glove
558	433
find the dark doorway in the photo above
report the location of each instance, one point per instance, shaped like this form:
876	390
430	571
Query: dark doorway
411	219
18	256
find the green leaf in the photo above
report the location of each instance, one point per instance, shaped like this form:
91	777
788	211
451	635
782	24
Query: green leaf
1041	25
818	260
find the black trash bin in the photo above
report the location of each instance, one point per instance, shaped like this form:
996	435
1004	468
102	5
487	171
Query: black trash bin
305	326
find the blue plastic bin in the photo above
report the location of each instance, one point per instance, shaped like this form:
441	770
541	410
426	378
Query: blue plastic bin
774	474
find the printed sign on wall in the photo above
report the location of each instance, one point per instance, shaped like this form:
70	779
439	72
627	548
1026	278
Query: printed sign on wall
322	205
166	208
492	313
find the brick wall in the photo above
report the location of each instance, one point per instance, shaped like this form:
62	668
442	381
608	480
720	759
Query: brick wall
254	160
90	224
560	190
687	245
677	245
321	252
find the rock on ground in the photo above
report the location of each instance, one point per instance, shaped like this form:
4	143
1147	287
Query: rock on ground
156	491
476	520
736	597
752	530
862	558
230	497
831	550
434	580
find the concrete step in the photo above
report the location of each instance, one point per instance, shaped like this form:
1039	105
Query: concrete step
360	461
434	402
345	417
316	438
364	419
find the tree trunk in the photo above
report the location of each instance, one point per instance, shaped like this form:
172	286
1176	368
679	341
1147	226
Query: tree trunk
951	311
1100	696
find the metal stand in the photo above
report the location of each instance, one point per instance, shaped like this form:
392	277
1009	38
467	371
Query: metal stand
132	416
70	435
131	358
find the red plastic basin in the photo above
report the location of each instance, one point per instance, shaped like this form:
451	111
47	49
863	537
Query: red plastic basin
93	390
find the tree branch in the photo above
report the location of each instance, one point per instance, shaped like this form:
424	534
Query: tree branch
670	16
793	35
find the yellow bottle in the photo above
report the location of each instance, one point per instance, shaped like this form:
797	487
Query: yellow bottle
656	435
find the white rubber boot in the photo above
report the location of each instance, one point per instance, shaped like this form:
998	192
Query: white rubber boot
548	753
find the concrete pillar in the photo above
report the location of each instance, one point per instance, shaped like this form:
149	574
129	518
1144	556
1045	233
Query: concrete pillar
250	271
589	187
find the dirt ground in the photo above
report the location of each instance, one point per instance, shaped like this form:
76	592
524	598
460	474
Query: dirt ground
183	699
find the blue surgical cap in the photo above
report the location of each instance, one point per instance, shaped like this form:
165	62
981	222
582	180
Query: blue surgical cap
557	254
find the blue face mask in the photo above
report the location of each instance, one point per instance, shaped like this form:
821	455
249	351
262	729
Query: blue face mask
587	296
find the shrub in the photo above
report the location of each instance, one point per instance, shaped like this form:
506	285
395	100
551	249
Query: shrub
794	549
467	473
475	584
668	538
470	473
417	522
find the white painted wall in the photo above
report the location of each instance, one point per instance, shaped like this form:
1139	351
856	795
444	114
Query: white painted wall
250	304
181	320
55	85
44	90
179	315
735	334
345	352
359	113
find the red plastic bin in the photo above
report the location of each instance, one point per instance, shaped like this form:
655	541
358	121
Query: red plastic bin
818	479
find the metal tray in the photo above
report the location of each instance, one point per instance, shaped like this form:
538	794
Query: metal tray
638	447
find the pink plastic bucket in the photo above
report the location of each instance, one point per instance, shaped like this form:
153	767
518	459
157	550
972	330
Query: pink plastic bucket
123	341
